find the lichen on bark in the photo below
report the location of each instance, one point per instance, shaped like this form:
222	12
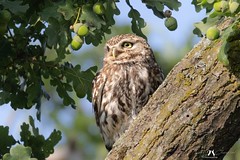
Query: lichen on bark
194	111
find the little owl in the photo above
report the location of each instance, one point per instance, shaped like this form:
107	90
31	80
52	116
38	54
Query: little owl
123	86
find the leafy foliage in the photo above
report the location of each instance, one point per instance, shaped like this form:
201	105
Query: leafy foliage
41	147
158	6
6	140
24	65
158	9
214	16
35	144
218	10
19	152
231	39
38	25
137	22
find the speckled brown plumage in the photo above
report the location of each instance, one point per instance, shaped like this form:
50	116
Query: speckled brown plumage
122	87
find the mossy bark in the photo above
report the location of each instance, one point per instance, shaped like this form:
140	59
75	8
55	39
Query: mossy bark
194	114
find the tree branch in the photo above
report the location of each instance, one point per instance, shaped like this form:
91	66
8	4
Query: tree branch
194	111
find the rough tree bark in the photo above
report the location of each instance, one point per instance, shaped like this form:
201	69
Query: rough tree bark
194	111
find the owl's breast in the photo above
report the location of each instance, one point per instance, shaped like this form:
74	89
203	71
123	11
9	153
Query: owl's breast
127	87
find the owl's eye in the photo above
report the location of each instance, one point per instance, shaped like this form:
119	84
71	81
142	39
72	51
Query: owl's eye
127	45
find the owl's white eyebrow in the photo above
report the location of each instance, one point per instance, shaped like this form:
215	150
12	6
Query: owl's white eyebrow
127	41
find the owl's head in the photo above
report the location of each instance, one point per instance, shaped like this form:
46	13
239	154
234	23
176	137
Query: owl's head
126	48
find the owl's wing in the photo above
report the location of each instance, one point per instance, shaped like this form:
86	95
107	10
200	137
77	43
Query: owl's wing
158	75
156	72
97	94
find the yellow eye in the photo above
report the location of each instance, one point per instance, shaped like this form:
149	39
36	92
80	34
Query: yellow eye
127	45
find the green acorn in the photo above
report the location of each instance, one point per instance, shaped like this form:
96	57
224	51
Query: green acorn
98	8
213	33
217	6
83	30
220	6
171	23
76	43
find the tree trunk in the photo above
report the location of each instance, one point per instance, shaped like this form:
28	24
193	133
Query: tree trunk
194	114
